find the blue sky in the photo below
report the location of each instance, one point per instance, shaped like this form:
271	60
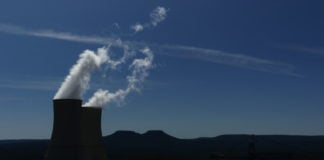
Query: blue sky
221	67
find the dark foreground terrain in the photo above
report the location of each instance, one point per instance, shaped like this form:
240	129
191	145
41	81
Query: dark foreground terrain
157	145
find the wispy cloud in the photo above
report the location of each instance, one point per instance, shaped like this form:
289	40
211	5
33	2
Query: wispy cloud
137	27
158	15
203	54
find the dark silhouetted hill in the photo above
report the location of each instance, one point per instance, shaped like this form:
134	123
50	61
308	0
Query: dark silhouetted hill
22	149
157	145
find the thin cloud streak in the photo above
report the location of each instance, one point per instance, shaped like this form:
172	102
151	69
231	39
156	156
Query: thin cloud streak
203	54
11	29
304	49
231	59
41	85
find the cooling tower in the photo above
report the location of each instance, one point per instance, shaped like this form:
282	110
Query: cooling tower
76	132
91	136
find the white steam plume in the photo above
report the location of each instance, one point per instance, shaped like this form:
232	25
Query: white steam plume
158	15
77	81
139	69
127	53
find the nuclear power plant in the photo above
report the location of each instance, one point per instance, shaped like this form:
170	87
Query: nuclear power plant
76	132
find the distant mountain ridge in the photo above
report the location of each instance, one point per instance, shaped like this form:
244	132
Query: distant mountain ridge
132	134
156	144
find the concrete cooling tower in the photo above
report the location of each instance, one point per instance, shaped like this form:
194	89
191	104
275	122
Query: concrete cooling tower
76	132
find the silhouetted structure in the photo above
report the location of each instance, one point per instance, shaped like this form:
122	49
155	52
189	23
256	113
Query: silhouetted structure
91	136
252	148
76	132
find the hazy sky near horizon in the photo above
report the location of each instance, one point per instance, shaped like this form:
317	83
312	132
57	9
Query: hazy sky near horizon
220	67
